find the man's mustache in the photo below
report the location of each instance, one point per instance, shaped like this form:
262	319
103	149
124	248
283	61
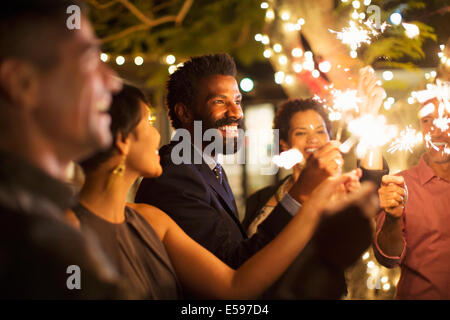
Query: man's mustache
229	121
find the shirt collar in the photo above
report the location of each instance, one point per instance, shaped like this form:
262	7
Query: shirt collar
210	161
425	172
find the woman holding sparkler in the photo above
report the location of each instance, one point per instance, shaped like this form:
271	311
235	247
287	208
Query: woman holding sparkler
303	124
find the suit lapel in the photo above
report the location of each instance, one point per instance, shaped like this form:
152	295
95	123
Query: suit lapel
226	195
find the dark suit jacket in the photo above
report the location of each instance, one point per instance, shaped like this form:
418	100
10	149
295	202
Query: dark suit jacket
191	195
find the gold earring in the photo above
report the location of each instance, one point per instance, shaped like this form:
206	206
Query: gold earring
117	172
120	169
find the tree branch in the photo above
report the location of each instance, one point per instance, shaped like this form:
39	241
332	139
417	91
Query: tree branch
125	32
183	12
136	11
146	22
102	5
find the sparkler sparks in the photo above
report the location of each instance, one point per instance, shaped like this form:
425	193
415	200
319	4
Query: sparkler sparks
372	132
288	159
344	101
355	35
430	143
406	141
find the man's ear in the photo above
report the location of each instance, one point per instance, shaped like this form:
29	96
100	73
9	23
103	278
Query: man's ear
284	146
183	113
123	145
19	81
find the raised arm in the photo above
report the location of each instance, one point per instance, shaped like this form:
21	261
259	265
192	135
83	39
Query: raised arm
207	276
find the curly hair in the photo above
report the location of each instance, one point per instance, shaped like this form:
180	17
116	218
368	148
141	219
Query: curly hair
288	108
182	85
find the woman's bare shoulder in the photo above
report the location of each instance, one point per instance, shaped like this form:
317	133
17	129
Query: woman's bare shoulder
156	217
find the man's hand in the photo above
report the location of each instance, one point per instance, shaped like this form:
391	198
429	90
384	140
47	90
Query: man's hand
325	162
370	91
393	195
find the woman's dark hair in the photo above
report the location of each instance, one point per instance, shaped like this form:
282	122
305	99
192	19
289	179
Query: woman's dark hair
125	111
288	108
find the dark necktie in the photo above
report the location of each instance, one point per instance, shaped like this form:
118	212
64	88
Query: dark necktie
218	172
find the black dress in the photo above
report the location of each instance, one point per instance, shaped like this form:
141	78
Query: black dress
137	251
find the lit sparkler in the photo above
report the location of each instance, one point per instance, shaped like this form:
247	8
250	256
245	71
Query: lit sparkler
288	159
372	132
406	141
355	35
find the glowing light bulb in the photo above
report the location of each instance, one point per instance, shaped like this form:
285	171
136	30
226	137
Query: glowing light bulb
289	79
267	53
120	60
277	47
264	5
285	15
388	75
104	57
170	59
325	66
297	67
270	15
297	52
138	60
246	84
396	18
282	60
315	73
279	77
308	55
172	69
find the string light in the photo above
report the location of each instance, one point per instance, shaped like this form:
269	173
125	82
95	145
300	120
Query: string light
297	52
104	57
264	5
267	53
170	59
388	75
172	69
283	60
270	15
277	47
138	60
285	15
279	77
289	79
120	60
297	67
315	73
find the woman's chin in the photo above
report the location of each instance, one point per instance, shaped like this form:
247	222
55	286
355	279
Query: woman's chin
154	173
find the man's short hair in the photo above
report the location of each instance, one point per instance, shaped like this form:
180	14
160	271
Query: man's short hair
31	29
182	85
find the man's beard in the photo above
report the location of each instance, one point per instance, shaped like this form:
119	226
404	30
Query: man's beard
229	145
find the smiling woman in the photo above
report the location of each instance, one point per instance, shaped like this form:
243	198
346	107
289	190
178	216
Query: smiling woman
303	124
